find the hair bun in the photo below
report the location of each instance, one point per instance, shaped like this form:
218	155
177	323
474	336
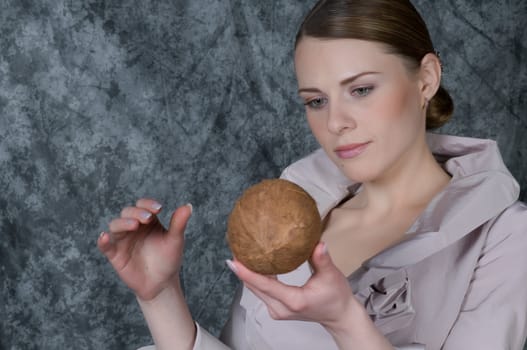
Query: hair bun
440	109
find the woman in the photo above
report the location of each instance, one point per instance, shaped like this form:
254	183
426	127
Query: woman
424	239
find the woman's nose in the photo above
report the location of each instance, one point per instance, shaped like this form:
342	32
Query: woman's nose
340	119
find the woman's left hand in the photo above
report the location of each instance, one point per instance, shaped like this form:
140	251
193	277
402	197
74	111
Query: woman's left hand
325	298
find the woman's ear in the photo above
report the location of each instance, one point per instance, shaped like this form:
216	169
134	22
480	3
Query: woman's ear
430	76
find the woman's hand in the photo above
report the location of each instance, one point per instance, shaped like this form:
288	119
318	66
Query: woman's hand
325	298
146	256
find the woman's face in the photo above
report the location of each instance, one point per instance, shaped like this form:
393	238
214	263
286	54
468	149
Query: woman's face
363	105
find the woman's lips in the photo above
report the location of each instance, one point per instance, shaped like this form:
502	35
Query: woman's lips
350	151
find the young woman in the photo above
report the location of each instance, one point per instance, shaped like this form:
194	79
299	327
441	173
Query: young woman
424	239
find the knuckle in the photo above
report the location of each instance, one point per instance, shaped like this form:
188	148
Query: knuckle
121	225
297	305
276	315
143	202
273	314
264	288
130	213
113	225
125	212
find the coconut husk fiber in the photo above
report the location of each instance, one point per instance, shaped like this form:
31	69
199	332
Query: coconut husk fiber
274	227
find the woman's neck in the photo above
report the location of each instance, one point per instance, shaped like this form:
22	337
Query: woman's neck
409	184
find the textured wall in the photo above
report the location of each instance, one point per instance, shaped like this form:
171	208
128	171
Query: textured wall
102	102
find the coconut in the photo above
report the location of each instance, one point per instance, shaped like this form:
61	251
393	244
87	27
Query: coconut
274	227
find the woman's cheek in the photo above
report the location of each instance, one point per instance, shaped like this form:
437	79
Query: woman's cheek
317	125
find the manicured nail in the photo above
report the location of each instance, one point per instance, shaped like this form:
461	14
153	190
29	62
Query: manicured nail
109	234
190	206
156	206
145	215
231	266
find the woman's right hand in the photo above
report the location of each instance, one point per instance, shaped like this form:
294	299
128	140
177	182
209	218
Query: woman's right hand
146	256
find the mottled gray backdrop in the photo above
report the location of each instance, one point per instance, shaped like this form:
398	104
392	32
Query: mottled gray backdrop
102	102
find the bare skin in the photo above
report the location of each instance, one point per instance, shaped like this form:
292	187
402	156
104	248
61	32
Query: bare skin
356	231
147	257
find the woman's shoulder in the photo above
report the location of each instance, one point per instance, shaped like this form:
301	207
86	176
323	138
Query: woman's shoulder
514	217
509	228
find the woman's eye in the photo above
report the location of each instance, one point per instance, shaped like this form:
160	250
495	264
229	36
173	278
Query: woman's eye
316	102
362	91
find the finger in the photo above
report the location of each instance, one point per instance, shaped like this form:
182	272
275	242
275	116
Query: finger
268	300
247	275
269	285
178	222
149	204
123	225
142	215
276	309
320	259
234	268
104	243
289	306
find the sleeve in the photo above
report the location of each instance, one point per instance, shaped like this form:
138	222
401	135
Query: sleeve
494	311
204	341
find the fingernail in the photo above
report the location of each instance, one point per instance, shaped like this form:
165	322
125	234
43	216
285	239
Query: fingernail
109	234
231	265
324	248
156	206
190	206
145	215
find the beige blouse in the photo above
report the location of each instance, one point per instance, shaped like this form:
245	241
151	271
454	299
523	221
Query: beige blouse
458	280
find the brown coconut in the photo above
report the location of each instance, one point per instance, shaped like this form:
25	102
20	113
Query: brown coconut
274	227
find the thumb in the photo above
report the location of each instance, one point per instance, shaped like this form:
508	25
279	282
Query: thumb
320	260
178	222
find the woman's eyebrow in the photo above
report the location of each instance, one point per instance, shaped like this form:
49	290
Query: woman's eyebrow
343	82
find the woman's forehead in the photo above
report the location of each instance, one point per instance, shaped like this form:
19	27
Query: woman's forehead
314	47
342	57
